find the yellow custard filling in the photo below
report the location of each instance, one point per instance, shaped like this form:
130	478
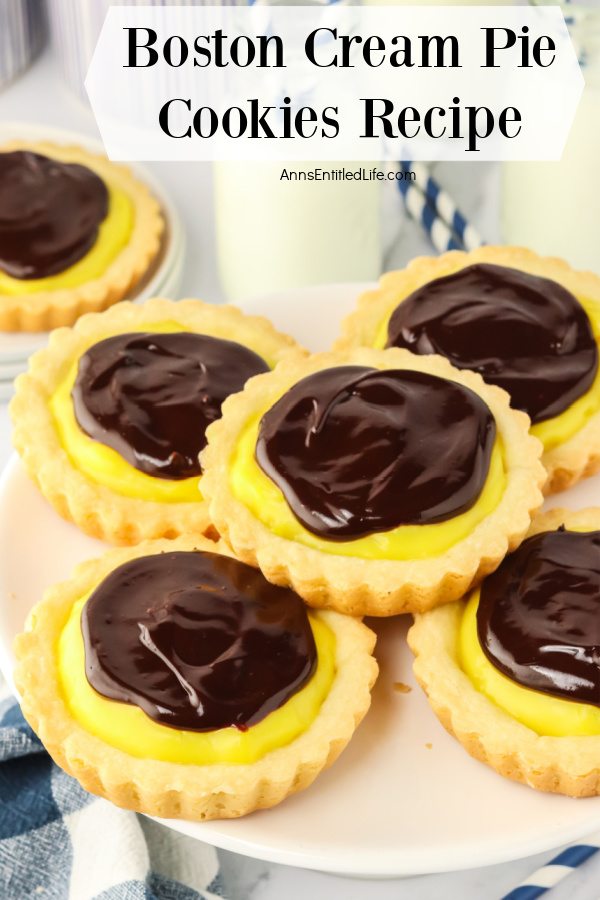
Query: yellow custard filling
129	729
561	428
543	713
558	430
267	503
104	465
113	235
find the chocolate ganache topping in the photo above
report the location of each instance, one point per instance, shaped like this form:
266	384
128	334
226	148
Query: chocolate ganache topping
197	640
529	335
151	396
357	450
538	619
50	213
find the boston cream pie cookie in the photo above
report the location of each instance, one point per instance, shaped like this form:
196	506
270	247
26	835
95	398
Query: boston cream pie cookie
176	681
528	324
372	482
77	233
111	416
512	671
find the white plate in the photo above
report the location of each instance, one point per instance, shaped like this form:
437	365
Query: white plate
10	369
7	389
165	275
404	798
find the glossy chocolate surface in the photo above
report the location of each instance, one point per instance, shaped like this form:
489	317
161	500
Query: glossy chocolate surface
357	450
529	335
50	213
197	640
152	396
538	619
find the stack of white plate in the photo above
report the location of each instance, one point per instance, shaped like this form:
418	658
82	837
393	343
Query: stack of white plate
163	280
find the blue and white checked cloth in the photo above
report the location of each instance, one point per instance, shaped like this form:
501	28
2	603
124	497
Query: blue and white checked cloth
58	842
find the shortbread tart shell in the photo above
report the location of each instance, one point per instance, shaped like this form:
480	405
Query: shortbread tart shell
173	790
45	310
92	506
561	765
353	585
567	463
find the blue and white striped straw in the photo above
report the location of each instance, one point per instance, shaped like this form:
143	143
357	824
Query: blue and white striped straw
559	868
428	203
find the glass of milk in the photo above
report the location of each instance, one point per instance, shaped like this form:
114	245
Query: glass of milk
274	234
554	207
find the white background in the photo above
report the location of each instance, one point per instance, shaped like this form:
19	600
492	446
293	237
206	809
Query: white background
127	99
40	97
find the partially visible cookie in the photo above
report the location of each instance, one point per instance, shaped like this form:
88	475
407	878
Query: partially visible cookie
172	679
111	416
77	233
526	323
512	671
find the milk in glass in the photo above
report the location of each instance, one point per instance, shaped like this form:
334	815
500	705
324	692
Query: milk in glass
554	207
274	234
